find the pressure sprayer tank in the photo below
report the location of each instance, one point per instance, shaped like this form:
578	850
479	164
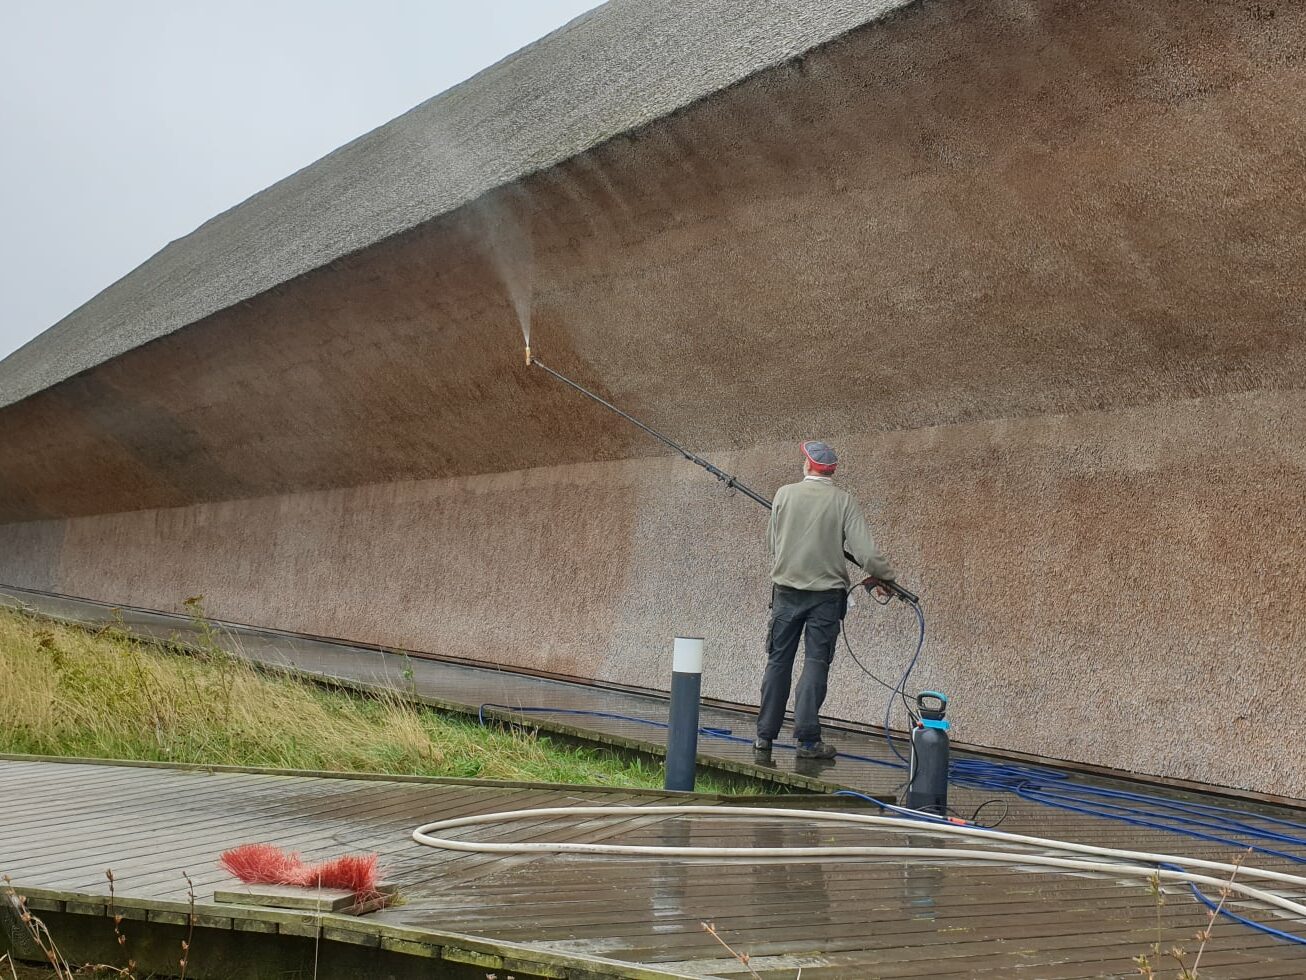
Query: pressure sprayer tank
927	787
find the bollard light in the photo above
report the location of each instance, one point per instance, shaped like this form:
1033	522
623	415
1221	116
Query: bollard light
682	730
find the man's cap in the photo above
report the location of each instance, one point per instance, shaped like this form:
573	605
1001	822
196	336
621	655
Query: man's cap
821	455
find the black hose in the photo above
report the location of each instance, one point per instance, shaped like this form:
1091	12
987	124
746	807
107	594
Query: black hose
721	475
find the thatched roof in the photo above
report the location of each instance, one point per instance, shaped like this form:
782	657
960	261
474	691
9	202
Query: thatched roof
612	70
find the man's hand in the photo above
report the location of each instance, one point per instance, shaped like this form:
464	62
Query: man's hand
876	588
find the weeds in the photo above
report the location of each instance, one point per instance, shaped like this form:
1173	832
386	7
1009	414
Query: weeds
40	936
36	931
1177	953
206	643
190	925
743	958
410	678
108	694
116	917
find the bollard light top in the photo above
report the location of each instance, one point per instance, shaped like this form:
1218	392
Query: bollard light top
687	655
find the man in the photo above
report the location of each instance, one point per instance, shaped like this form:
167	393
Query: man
813	524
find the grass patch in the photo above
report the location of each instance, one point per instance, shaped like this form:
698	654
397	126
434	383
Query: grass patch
111	695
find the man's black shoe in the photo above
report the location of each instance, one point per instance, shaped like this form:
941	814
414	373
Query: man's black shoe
817	750
762	746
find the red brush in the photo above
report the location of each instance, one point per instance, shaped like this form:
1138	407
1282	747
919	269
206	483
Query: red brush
354	872
265	864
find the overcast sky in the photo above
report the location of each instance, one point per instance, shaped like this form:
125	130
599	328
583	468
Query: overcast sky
128	123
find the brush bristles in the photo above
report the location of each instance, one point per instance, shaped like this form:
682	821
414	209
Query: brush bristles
265	864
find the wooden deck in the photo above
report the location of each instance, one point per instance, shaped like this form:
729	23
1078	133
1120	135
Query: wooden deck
65	823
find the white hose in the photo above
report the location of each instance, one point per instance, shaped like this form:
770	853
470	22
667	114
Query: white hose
425	835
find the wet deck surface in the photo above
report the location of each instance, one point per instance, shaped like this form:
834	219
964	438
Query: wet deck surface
65	823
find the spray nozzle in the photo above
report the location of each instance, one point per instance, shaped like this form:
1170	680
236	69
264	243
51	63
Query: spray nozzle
529	359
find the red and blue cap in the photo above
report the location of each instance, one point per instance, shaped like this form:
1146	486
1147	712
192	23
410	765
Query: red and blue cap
822	457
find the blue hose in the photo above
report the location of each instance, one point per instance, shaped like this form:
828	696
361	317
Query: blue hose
902	811
900	690
1053	788
1037	784
723	733
1259	927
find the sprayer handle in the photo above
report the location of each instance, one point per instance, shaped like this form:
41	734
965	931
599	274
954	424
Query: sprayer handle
874	585
940	701
891	589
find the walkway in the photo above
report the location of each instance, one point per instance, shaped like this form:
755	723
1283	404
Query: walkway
66	822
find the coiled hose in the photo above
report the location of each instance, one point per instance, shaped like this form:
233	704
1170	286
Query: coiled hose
1111	861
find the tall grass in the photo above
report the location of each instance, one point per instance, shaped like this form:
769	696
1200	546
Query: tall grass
70	692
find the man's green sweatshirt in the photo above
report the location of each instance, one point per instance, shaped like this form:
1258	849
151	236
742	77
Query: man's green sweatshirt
812	524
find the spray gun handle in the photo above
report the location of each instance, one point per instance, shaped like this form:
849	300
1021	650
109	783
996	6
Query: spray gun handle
893	588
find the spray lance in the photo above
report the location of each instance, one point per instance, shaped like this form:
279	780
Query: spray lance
932	750
893	588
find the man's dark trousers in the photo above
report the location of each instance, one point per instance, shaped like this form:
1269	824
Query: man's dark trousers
813	617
